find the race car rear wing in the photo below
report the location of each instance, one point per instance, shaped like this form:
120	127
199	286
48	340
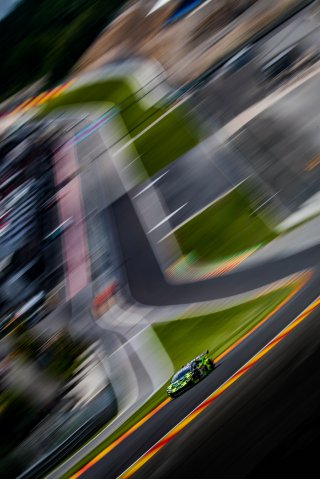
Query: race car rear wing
194	359
202	354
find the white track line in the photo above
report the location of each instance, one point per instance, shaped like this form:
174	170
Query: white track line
203	209
151	184
167	218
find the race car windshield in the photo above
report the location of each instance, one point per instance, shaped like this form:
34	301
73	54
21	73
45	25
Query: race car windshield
180	374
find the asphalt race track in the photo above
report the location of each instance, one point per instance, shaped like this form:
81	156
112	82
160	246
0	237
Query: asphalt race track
265	425
147	283
248	421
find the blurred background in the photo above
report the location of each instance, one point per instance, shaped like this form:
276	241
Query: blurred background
159	197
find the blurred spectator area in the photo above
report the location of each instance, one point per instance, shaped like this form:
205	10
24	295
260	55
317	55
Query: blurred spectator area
186	47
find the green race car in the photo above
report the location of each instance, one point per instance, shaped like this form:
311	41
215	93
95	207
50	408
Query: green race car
190	374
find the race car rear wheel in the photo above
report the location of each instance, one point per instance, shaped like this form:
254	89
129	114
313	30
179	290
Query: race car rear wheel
210	365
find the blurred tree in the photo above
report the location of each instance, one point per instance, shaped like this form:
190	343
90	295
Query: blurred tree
59	356
17	417
46	37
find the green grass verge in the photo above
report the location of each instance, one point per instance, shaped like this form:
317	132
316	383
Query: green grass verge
185	338
170	138
225	228
301	223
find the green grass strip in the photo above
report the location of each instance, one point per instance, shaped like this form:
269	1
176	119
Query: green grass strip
225	228
187	337
168	139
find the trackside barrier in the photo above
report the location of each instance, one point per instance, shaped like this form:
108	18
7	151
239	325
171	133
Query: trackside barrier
76	438
102	302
